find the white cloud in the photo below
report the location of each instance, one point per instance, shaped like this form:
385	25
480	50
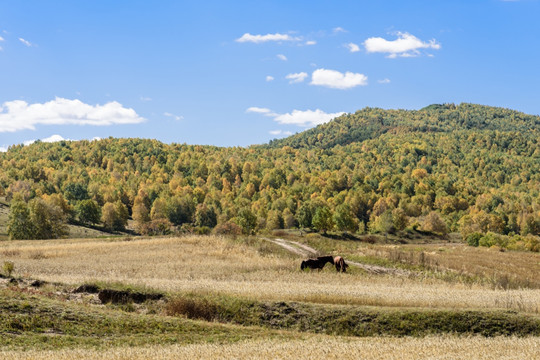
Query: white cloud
311	42
3	148
54	138
296	77
259	110
280	132
406	45
384	81
175	117
145	98
338	29
1	38
247	37
50	139
305	118
337	80
26	42
269	78
19	115
281	57
352	47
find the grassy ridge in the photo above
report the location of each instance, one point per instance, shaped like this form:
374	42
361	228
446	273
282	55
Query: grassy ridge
354	320
33	321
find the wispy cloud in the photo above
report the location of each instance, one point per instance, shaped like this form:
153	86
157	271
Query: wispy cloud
337	80
19	115
281	57
280	132
384	81
260	110
145	98
305	118
257	39
269	78
26	42
311	42
175	117
338	30
296	77
352	47
406	45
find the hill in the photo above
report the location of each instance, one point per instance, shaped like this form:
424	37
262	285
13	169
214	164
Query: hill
444	168
370	123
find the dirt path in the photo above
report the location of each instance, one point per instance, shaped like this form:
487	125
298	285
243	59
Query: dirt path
307	251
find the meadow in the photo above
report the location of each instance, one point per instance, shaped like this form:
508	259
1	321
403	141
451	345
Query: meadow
262	303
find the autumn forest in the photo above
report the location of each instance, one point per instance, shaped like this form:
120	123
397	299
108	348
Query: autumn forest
467	169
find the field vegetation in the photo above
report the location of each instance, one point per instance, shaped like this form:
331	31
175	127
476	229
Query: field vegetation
226	296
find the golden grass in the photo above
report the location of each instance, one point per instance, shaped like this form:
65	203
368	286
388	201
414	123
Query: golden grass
214	264
317	347
508	268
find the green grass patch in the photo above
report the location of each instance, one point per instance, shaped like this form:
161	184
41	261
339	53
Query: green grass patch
36	322
353	320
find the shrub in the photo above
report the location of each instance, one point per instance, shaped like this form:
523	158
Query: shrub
202	230
532	243
192	308
228	228
474	239
8	267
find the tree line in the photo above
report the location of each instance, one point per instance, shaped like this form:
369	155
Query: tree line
446	168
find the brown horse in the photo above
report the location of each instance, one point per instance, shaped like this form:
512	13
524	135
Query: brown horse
317	263
341	265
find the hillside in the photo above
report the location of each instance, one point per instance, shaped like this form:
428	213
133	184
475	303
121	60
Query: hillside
445	168
370	123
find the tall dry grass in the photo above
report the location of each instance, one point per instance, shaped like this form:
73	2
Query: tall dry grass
214	264
317	347
508	269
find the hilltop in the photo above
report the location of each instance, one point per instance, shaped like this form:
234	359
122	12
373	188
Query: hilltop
370	123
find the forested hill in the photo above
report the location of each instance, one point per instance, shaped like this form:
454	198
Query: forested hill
370	123
466	168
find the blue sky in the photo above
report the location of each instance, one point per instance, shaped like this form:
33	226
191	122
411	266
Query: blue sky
244	72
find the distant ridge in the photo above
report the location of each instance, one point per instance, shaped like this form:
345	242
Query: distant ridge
370	123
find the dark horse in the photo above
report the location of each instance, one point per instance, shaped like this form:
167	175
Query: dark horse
317	263
341	265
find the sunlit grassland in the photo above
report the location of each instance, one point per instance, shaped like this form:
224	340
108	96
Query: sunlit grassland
258	270
315	347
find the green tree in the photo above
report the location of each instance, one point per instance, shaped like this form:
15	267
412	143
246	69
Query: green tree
304	215
344	219
20	226
181	209
122	215
384	223
88	211
247	220
274	220
322	220
205	216
49	220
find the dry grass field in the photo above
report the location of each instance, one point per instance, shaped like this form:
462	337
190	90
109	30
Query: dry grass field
257	270
316	347
218	265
